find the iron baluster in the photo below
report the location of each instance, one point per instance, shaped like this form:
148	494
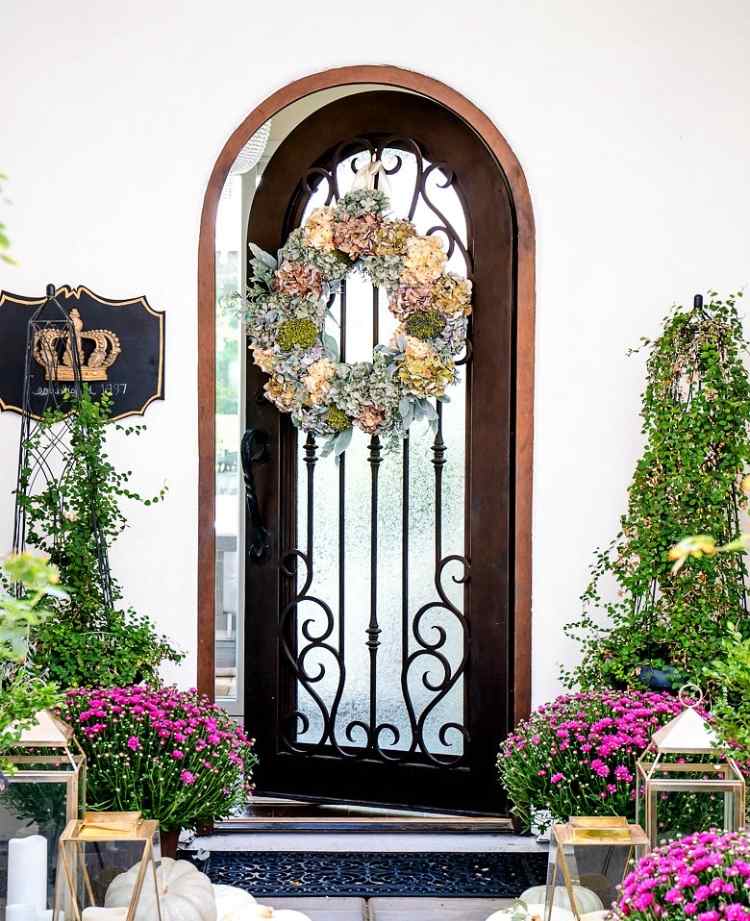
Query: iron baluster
438	462
254	450
405	608
373	628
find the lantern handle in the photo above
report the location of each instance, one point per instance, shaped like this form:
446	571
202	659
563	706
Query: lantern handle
698	694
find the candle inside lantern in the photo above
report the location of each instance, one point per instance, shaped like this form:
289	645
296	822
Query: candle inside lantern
27	873
20	913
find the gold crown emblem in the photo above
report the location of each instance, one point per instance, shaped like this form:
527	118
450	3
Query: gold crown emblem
97	351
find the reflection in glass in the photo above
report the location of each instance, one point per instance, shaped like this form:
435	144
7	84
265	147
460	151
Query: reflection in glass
228	430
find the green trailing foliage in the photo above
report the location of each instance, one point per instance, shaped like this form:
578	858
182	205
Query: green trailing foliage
22	694
731	709
637	611
89	640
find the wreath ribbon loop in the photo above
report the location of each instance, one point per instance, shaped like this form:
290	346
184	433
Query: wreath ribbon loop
366	176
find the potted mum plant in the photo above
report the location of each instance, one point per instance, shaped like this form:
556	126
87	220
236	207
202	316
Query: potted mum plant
576	756
171	754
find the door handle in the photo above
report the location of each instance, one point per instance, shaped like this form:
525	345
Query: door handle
254	450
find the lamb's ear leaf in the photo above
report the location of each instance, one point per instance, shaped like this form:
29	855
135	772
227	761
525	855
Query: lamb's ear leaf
331	346
262	256
428	410
343	440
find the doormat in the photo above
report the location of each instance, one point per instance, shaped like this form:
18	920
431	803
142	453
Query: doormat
275	874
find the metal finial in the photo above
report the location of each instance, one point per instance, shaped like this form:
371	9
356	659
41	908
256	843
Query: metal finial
50	290
698	301
690	687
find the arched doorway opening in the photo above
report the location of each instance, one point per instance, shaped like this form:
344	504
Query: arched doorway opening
503	593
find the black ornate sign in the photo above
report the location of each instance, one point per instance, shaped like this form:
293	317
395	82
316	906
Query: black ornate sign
120	347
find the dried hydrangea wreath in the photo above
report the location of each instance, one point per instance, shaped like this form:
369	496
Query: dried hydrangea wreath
288	301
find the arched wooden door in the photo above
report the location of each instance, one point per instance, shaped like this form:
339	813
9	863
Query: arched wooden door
379	632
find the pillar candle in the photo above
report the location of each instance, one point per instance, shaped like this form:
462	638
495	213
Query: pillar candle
27	872
104	914
20	913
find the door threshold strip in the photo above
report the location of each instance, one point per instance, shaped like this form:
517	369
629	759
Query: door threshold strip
383	823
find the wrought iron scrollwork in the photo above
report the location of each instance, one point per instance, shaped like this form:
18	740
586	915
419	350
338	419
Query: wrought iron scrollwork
435	638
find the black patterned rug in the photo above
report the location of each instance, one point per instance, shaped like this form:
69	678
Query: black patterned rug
281	874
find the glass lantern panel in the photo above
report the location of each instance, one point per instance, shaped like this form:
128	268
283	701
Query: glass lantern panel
33	815
107	873
598	868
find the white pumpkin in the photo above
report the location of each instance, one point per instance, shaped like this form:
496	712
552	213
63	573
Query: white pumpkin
233	904
533	910
185	894
586	900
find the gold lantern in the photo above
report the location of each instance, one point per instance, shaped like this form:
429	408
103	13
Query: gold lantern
659	772
589	856
94	852
43	791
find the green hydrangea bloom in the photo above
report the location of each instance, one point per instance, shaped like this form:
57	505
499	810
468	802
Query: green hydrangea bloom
424	324
301	333
338	419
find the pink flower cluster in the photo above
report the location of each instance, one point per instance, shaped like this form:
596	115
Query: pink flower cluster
161	749
704	876
577	754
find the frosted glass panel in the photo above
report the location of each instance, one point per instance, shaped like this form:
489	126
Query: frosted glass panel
416	669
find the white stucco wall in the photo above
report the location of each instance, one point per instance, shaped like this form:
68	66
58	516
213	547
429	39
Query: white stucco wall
629	119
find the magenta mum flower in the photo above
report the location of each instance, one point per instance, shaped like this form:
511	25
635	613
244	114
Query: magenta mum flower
178	729
689	878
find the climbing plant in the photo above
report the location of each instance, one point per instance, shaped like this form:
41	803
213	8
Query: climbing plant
637	612
75	518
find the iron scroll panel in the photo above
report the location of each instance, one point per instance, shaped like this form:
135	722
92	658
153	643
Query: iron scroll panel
305	640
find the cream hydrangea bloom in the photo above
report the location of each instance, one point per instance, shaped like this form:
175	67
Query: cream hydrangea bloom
317	381
264	359
318	230
422	372
424	261
281	393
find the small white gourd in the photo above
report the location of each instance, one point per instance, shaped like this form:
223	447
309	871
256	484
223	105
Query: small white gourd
185	894
586	900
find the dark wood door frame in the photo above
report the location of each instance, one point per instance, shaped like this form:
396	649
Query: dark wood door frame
524	357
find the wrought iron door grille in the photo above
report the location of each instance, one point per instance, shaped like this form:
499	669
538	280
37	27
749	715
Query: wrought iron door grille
320	654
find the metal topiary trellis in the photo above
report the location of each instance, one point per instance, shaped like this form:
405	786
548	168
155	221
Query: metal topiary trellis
44	454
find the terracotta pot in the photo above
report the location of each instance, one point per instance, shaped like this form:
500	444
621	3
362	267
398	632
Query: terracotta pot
169	842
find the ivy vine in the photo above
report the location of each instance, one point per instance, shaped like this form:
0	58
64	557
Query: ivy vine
696	414
75	519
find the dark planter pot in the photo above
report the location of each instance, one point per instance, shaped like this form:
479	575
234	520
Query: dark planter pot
169	843
660	679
